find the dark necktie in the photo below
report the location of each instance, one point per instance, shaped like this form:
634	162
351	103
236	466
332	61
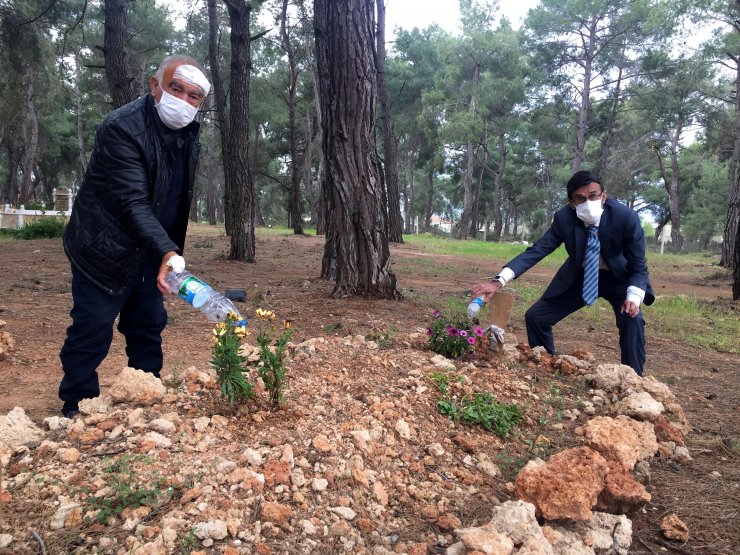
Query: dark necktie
591	267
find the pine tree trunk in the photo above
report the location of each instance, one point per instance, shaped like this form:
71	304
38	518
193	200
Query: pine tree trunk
356	241
32	141
390	147
463	227
117	71
498	185
294	203
730	245
81	154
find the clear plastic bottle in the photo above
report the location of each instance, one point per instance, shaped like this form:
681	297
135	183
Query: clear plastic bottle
201	295
474	307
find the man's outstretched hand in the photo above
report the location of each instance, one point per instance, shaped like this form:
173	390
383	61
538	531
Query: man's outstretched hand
487	289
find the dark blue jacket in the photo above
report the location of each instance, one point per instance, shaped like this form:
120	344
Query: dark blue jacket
115	221
622	248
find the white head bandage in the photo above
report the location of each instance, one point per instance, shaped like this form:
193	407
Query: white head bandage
194	76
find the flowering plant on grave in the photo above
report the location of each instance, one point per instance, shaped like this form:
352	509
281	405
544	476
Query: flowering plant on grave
453	338
272	341
228	362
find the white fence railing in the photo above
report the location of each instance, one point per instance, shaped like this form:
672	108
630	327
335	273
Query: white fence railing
11	217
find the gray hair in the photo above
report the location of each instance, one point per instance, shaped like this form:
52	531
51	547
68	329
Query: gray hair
182	59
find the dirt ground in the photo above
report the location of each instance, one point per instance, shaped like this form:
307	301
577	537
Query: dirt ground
35	300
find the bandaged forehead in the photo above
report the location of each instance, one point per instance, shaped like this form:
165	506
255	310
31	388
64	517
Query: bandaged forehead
194	76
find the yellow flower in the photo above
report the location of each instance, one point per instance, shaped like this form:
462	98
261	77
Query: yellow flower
265	313
241	331
287	324
220	329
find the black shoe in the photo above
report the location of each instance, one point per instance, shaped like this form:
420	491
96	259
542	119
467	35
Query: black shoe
70	411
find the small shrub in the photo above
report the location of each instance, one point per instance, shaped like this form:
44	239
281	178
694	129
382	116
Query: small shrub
453	338
384	339
228	362
126	492
272	354
477	408
45	228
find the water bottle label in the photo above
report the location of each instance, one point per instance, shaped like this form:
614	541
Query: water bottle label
190	289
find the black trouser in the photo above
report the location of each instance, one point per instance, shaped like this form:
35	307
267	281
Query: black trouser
545	313
142	319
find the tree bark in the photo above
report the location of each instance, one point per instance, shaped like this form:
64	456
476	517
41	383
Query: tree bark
295	218
81	152
239	201
390	147
730	243
498	185
671	187
583	114
356	241
463	227
117	71
32	142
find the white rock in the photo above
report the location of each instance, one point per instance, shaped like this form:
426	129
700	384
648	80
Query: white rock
308	527
640	405
436	450
5	540
159	440
345	512
214	529
319	484
16	429
162	426
402	428
252	457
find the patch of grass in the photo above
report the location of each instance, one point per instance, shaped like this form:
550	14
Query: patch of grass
383	338
45	228
126	491
204	243
475	248
701	323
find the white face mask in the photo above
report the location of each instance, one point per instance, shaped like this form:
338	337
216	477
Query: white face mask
590	211
173	112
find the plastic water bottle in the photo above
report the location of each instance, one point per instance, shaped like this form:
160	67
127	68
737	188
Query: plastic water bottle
474	307
201	295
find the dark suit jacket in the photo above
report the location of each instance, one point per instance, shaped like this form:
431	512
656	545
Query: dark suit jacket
622	248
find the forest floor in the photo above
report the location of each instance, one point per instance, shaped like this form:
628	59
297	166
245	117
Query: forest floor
35	301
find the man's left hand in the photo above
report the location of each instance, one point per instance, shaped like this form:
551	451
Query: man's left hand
164	269
628	307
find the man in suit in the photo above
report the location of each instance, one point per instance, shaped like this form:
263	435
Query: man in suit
616	269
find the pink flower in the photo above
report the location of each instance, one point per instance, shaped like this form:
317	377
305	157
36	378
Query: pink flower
454	332
478	331
471	340
463	333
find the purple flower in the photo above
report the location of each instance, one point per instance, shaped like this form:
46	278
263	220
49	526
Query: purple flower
429	331
471	340
478	331
454	332
436	314
463	333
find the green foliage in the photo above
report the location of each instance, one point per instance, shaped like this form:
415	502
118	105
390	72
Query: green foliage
44	228
383	339
477	409
228	362
127	491
453	338
705	324
272	354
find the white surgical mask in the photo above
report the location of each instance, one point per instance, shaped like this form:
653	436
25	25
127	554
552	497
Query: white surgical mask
590	211
173	112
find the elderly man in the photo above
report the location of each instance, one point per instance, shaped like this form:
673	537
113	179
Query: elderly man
127	224
606	258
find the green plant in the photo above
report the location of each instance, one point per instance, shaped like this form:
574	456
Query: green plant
481	408
45	228
441	380
190	541
272	353
126	492
383	338
453	338
227	361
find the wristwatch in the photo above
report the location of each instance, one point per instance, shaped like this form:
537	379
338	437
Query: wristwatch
499	278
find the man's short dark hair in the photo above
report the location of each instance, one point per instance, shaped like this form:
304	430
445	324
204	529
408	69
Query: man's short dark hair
581	179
